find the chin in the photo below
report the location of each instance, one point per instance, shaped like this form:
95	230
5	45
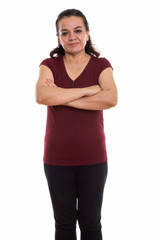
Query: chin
75	51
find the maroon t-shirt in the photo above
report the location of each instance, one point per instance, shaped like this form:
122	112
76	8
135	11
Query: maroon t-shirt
75	136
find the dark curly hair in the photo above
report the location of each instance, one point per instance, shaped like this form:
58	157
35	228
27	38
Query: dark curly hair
89	49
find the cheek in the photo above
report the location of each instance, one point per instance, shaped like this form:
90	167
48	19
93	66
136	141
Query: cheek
61	41
84	40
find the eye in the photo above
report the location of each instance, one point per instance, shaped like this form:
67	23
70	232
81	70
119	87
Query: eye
64	33
78	31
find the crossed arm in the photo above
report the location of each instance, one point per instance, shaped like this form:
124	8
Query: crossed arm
97	97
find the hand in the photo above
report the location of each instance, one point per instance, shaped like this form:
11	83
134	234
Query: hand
50	83
93	90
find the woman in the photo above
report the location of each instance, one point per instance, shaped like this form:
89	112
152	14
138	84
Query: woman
77	86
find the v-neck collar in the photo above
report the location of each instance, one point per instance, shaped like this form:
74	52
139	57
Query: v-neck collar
80	73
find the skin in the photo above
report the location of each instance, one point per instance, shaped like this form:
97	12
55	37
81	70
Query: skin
73	36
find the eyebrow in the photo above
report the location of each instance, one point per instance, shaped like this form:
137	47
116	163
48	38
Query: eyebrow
67	29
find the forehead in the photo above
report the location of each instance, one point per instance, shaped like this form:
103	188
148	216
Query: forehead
70	23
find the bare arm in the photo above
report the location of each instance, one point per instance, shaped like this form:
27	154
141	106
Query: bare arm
105	99
53	95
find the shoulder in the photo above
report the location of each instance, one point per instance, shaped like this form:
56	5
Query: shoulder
101	63
50	61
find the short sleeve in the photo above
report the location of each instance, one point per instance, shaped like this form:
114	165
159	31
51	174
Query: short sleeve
47	63
105	64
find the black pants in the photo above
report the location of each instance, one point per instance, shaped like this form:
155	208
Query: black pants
77	194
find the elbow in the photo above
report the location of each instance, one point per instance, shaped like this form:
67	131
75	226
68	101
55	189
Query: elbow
114	99
114	102
111	99
38	98
42	98
43	101
111	103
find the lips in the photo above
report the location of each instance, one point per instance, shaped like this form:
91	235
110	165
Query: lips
73	44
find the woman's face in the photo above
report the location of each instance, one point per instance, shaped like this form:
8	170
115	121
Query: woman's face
72	34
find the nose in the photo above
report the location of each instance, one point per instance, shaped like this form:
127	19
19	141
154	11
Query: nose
72	36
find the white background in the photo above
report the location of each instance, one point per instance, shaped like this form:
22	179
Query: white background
127	33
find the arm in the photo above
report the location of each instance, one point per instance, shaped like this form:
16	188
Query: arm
105	99
53	95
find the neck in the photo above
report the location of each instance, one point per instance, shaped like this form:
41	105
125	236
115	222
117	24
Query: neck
76	58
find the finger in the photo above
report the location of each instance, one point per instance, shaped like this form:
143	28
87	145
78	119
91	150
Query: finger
47	84
49	80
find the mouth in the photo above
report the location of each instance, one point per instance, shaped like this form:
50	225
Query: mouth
73	44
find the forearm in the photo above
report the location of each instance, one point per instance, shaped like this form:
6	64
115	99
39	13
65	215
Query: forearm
59	96
100	101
